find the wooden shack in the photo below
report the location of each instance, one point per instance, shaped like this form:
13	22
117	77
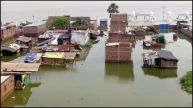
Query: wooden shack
161	59
7	86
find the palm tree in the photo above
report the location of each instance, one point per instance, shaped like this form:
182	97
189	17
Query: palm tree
113	8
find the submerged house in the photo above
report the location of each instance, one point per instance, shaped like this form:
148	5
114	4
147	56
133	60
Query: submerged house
7	86
80	37
161	59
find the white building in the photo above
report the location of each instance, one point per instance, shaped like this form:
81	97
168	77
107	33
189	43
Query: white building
80	37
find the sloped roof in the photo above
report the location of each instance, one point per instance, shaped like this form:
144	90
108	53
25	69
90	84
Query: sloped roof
165	54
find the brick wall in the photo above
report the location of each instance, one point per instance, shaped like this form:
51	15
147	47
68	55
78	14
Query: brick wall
7	88
9	32
168	64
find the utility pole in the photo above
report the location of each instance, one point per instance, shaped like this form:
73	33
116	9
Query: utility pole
163	11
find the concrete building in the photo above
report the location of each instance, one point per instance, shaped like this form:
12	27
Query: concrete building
34	29
80	37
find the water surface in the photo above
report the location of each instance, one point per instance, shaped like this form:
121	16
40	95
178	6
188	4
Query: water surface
92	82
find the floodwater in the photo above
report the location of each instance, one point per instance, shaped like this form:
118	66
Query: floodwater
92	82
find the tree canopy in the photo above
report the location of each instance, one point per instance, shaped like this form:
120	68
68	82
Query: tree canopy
113	8
80	21
60	22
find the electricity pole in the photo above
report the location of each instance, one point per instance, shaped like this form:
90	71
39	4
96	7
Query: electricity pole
163	11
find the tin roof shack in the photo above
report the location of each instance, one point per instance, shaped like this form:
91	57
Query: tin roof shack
10	50
118	22
7	86
80	37
8	31
161	59
24	42
34	29
57	57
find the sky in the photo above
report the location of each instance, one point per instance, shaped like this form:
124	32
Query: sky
20	10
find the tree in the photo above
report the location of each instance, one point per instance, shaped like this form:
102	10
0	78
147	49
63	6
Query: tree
113	8
79	21
60	22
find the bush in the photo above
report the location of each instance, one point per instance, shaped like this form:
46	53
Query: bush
186	82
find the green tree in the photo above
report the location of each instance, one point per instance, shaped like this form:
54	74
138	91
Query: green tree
113	8
80	21
60	22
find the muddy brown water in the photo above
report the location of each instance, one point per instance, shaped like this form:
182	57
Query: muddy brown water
92	82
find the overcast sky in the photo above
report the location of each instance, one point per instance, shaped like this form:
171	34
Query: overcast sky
24	10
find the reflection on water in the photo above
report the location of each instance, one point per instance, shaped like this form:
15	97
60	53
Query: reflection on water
124	71
18	97
160	73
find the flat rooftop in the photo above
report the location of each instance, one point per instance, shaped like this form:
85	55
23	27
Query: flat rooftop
36	23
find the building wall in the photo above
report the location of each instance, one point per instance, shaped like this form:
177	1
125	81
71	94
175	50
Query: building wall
118	54
168	64
7	87
34	30
80	38
117	26
9	32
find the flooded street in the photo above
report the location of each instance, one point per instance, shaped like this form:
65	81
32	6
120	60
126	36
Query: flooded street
92	82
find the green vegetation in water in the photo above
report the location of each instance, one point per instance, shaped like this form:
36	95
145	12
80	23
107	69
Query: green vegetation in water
186	82
91	42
